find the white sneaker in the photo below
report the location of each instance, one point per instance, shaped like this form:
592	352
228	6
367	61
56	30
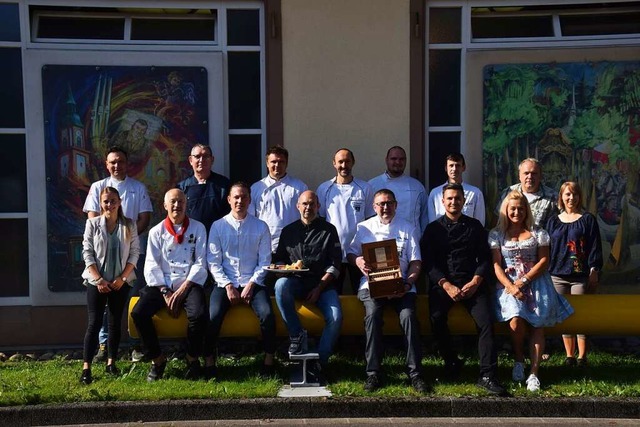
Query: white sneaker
518	372
533	383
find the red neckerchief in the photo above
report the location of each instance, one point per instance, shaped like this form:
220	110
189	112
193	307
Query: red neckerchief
168	225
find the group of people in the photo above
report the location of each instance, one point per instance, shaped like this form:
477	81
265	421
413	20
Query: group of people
228	235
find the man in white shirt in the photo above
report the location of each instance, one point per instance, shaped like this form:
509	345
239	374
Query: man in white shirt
384	226
238	254
344	202
176	272
473	197
274	197
136	206
410	193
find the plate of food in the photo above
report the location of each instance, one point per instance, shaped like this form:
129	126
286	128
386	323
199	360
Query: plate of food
296	267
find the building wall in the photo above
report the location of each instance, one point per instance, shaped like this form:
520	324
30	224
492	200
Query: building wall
346	83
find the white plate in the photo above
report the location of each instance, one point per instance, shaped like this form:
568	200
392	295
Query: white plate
282	270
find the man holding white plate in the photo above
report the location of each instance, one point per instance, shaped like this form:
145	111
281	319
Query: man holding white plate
315	242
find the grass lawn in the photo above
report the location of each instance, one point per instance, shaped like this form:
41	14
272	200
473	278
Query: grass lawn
57	381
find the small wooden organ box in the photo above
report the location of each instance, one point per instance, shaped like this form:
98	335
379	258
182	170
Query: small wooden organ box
385	277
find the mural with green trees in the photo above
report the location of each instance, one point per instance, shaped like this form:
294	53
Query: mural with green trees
581	120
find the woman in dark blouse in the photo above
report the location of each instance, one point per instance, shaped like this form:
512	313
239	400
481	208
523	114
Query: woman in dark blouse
576	257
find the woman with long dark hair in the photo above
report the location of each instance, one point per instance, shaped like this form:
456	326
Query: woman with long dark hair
110	249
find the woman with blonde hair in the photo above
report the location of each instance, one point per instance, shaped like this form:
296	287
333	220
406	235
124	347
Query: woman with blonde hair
525	296
110	250
576	257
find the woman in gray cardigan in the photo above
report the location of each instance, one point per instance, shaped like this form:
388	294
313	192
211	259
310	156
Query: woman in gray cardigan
110	249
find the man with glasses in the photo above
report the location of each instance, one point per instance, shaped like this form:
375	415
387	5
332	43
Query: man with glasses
206	190
384	226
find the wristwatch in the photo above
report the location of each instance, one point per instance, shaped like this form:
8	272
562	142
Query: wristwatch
165	290
524	280
124	279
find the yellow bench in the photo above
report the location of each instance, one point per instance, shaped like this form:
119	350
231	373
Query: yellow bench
594	315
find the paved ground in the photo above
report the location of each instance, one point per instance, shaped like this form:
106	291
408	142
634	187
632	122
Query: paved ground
344	411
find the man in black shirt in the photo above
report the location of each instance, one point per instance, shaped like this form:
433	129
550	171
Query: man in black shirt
457	257
315	242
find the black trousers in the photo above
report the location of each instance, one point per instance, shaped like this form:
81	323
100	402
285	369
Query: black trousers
479	308
151	301
373	323
96	303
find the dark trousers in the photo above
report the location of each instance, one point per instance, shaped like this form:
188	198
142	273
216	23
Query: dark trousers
261	306
151	301
479	308
373	323
96	303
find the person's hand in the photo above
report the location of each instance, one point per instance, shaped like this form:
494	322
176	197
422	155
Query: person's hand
592	282
103	286
168	299
515	291
247	293
117	284
469	289
233	294
363	266
313	295
453	291
176	299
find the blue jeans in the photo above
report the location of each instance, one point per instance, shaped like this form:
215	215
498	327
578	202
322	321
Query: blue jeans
288	289
260	304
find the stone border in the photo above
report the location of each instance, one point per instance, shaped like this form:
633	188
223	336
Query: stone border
272	408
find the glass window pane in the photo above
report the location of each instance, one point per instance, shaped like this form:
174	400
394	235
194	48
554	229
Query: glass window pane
13	174
244	90
444	87
593	25
14	258
445	25
11	98
511	26
9	23
243	27
173	29
62	27
441	144
245	153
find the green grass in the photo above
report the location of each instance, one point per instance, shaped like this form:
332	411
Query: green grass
56	381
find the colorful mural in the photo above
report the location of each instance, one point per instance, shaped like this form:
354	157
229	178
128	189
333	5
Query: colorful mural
582	121
155	113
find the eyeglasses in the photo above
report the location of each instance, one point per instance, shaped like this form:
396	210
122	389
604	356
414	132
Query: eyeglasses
200	156
385	204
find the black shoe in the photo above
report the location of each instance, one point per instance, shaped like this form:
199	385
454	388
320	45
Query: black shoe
85	378
453	368
570	361
372	383
267	371
582	362
420	385
112	370
156	372
298	344
210	372
193	371
492	386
